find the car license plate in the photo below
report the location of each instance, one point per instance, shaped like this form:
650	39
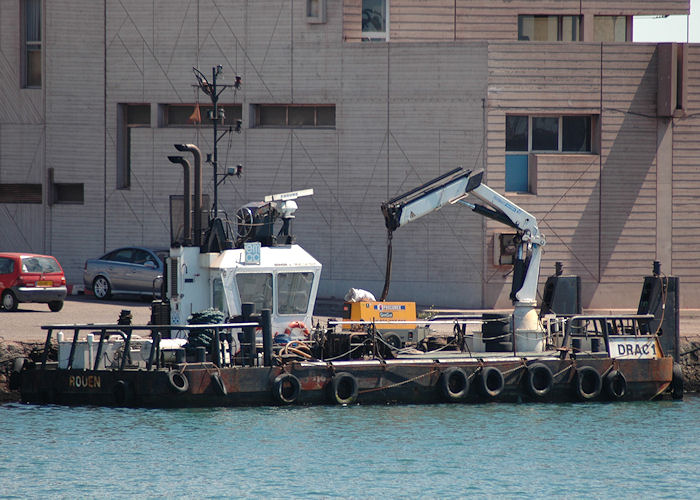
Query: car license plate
44	283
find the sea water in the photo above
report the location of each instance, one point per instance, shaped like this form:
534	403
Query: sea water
594	450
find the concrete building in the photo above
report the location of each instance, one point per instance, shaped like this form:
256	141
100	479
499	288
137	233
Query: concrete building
361	100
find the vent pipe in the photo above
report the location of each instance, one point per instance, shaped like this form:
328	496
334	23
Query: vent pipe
198	209
187	211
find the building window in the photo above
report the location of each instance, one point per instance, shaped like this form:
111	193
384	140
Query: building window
375	20
128	116
610	29
315	11
541	134
20	193
31	43
68	194
295	116
183	115
549	28
504	248
64	193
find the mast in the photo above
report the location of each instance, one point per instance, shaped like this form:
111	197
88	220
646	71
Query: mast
214	90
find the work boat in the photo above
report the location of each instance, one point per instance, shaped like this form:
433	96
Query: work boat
234	328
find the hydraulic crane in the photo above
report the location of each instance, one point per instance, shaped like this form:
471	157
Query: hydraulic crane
453	187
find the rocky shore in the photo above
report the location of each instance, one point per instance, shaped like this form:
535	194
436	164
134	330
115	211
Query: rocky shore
690	362
8	353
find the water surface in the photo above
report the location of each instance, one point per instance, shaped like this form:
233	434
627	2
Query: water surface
615	450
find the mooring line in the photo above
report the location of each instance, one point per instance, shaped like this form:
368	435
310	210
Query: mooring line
397	384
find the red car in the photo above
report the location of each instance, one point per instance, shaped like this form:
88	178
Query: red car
28	277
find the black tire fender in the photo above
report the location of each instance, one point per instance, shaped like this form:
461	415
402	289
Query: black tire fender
454	384
178	381
538	380
120	392
15	381
218	383
286	389
344	388
677	382
615	385
491	382
587	383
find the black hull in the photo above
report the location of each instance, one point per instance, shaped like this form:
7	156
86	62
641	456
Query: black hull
368	382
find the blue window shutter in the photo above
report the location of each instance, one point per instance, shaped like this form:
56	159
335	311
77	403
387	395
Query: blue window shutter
517	173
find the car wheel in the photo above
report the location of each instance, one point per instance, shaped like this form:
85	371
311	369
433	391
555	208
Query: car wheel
9	301
101	288
56	305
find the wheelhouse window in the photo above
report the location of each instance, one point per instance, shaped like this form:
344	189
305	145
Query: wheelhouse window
375	20
295	116
218	295
611	29
129	116
255	288
293	292
31	43
549	28
541	134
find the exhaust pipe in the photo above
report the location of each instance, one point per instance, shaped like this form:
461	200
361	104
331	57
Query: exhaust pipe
198	209
188	196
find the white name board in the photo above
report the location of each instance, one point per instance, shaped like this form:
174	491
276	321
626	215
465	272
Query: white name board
252	252
622	347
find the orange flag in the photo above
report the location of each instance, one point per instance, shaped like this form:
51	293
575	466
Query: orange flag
195	117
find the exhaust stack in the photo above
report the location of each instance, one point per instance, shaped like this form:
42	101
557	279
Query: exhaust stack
187	236
198	209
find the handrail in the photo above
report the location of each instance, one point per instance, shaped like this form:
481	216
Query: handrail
639	318
155	330
94	326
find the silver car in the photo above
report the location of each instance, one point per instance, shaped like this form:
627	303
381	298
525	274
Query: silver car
128	270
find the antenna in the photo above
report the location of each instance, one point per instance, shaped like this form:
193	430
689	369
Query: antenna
213	90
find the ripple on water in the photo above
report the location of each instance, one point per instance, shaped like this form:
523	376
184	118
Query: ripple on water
625	450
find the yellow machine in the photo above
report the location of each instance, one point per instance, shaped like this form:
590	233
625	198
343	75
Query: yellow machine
402	332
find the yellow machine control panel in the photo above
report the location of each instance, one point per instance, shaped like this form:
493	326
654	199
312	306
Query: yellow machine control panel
381	311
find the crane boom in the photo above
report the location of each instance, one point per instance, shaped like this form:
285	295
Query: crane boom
453	187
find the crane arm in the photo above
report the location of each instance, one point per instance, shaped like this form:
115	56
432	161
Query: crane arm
453	187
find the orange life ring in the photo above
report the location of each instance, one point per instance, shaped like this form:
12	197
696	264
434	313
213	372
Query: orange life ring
299	325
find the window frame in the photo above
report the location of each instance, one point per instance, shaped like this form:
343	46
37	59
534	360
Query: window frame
29	46
377	36
315	18
307	278
3	261
258	112
229	117
124	126
628	28
560	26
530	151
560	134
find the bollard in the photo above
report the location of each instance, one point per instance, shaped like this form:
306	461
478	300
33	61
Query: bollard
180	355
266	324
247	310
